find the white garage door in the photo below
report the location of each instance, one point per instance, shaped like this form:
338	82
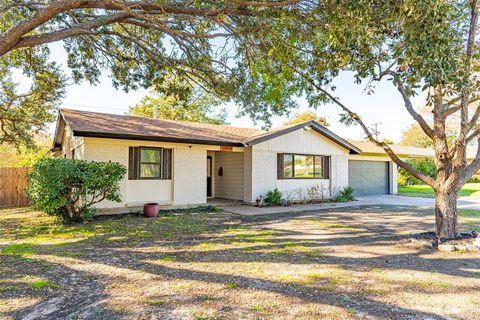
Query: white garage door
368	177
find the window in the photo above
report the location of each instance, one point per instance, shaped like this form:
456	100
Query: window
288	166
149	163
303	166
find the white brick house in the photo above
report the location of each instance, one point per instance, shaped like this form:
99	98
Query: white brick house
183	163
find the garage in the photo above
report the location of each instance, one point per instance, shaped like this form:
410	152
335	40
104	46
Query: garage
368	177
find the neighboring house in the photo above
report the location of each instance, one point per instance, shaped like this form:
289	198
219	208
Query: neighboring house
185	163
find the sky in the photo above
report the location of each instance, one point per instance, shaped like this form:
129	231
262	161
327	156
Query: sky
384	107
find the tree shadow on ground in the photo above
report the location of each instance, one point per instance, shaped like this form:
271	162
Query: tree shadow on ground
122	255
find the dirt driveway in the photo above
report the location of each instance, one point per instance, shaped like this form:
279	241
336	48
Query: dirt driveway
341	264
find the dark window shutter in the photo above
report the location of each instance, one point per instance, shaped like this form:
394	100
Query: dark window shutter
280	166
326	167
132	163
167	164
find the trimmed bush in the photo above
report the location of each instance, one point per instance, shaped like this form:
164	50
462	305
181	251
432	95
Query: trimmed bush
345	195
273	197
68	189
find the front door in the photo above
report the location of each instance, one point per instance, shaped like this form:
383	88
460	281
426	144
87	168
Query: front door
209	176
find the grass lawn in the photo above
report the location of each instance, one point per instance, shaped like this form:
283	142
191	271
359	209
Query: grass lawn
354	263
468	190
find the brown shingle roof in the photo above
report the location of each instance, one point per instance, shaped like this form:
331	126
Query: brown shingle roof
95	124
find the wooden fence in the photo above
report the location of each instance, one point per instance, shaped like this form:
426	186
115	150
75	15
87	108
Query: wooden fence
12	187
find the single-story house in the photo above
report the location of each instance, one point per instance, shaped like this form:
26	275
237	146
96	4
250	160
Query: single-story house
184	163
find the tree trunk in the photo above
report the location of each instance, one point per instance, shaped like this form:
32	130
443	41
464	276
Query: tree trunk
446	214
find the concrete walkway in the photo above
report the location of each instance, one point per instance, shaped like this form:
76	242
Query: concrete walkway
392	200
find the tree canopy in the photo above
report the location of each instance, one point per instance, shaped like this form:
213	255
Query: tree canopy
141	43
23	156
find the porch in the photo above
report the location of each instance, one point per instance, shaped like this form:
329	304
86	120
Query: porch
225	177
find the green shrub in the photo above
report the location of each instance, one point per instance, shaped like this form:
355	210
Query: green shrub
425	166
273	197
68	189
345	195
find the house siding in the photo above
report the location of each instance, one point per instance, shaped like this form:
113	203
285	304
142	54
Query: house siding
339	166
101	151
247	175
230	185
189	173
264	165
190	176
72	143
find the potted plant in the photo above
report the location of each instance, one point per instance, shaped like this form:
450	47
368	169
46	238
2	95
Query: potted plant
150	210
259	201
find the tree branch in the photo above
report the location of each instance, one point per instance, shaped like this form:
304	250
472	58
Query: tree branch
470	169
408	105
164	28
460	144
15	36
473	135
11	37
264	4
168	8
83	29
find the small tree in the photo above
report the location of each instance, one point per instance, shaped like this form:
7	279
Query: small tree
185	103
273	197
68	189
414	136
306	116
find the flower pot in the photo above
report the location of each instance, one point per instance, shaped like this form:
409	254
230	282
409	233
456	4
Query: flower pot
150	210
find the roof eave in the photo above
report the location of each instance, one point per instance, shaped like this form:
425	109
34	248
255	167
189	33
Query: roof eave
59	127
153	138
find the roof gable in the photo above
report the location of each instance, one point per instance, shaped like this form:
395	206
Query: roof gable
304	125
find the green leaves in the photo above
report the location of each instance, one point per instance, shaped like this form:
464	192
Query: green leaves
24	112
140	43
421	42
260	58
68	189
